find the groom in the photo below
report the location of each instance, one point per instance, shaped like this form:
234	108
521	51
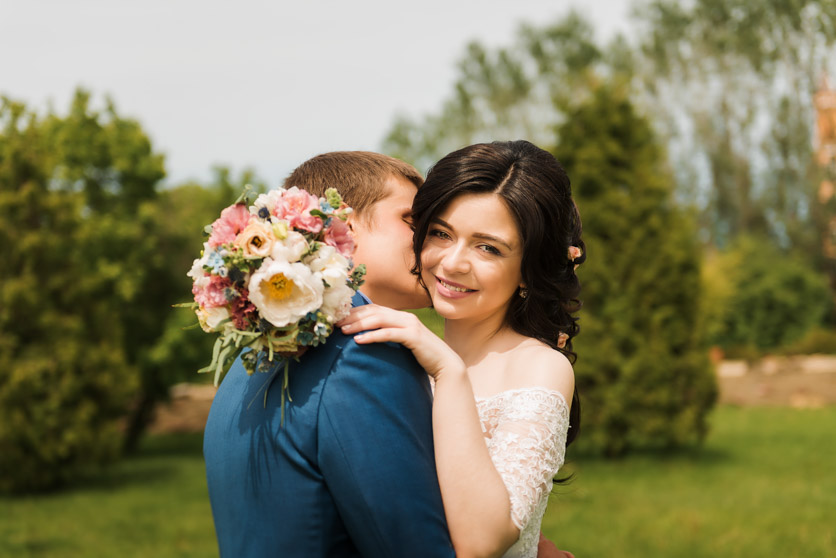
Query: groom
351	472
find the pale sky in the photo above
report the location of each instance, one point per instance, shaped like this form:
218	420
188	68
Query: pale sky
254	83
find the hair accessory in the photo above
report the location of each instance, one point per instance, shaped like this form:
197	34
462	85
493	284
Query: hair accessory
573	254
562	338
523	292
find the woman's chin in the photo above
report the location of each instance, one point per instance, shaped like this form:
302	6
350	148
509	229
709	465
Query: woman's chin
446	308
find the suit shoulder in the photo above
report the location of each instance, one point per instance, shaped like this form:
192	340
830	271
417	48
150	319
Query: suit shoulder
391	354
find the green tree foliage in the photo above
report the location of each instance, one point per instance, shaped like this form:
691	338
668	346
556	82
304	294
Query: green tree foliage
94	256
67	371
757	297
731	83
642	372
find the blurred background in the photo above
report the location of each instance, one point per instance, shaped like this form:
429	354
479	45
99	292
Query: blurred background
700	138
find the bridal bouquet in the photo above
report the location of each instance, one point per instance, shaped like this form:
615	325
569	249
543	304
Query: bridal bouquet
274	277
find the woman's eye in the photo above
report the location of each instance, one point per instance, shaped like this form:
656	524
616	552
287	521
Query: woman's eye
489	249
439	234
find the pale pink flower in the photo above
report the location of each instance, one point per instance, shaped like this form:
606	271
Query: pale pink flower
295	206
256	240
307	222
339	236
212	294
232	221
574	253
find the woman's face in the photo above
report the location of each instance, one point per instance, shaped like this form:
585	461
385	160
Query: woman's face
472	257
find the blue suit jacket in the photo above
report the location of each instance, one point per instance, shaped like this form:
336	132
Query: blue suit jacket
351	472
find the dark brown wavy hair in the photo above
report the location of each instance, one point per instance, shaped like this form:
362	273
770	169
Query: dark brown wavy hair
537	191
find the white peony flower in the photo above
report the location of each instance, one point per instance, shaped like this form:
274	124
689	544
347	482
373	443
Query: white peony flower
269	200
285	292
326	257
336	301
333	268
210	318
290	249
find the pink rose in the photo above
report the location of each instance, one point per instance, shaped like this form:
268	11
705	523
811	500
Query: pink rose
339	236
232	221
295	206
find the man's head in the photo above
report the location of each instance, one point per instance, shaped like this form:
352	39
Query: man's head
380	189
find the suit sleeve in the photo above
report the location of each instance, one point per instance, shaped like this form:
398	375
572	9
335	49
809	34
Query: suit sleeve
375	451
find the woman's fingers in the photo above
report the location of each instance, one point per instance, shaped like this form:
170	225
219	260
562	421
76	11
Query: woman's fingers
374	318
381	336
361	312
362	324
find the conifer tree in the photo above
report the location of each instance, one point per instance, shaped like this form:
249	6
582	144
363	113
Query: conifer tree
642	370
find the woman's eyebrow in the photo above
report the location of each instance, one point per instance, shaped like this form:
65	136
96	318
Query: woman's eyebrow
484	236
493	239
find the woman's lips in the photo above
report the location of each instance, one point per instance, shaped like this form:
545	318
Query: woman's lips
449	289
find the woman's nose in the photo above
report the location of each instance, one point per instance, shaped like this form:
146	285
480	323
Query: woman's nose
455	260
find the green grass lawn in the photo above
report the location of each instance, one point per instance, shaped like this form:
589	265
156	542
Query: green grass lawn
763	485
152	505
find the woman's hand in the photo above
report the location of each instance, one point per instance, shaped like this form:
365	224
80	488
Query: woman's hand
547	549
433	354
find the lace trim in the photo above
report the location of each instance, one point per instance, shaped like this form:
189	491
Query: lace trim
520	390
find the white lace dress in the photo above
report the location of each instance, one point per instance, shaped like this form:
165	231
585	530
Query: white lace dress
525	430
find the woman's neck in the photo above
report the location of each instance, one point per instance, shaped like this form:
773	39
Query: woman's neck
472	339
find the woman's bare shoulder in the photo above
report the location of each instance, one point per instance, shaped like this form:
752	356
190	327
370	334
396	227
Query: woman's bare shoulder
535	364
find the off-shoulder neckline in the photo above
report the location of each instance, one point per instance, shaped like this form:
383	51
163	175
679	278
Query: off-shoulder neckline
480	399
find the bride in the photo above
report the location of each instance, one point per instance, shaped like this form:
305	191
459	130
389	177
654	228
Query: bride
497	240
